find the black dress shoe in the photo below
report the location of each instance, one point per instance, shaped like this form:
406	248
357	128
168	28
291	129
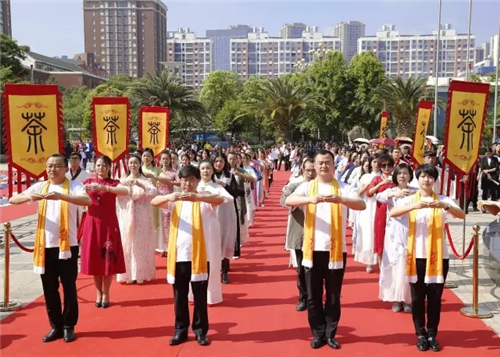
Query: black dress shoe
317	342
69	334
333	343
225	279
301	306
105	305
203	340
177	340
422	344
53	335
434	344
98	304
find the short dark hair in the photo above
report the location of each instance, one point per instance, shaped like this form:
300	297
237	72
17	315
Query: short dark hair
427	169
385	158
189	170
398	169
324	152
62	157
430	153
75	154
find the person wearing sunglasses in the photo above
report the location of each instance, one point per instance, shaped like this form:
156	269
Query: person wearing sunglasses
378	185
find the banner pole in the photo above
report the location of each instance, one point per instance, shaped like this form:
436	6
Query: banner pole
467	69
436	70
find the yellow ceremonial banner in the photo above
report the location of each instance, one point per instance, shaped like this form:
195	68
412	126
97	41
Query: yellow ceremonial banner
421	128
466	116
154	129
111	126
34	119
383	124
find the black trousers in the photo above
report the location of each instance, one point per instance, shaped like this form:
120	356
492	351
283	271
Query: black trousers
323	321
433	292
181	305
301	276
489	188
66	271
225	266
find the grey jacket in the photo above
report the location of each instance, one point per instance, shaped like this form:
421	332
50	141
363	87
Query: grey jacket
295	229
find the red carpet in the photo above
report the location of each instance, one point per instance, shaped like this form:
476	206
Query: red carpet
10	213
257	318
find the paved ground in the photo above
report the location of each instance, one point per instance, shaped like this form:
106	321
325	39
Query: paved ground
25	286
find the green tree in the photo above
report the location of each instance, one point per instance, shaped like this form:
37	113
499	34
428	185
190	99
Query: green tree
365	74
11	55
400	98
74	106
280	103
164	89
218	88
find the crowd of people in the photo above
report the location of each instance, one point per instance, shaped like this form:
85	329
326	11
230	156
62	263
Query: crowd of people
175	206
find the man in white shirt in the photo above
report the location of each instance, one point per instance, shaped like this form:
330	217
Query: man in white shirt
324	321
57	268
189	179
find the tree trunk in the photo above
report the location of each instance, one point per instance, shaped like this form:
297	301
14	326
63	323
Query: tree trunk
405	127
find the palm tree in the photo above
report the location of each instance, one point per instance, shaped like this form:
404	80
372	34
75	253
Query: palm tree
400	98
280	102
164	89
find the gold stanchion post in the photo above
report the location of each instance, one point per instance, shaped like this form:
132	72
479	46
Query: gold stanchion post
7	305
474	310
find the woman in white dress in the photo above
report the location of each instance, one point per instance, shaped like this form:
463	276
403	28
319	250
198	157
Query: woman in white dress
365	240
249	194
137	226
392	283
213	237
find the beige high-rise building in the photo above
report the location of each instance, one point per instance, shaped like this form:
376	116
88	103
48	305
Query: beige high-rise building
349	33
414	55
126	37
293	30
189	56
5	18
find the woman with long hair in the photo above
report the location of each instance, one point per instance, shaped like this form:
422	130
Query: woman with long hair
166	186
102	252
137	225
378	185
427	258
230	235
392	284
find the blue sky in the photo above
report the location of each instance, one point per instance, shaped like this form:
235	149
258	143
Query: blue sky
55	28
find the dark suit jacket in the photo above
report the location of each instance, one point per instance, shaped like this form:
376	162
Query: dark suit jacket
493	164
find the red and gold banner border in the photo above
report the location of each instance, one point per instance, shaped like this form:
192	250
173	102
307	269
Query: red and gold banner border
421	105
462	86
28	90
383	129
109	101
154	110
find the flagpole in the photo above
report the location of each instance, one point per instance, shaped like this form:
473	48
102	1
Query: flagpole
467	71
436	70
495	104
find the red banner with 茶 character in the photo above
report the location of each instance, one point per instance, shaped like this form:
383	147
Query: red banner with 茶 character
33	129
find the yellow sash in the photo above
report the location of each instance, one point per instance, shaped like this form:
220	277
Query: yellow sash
199	269
434	268
336	238
64	245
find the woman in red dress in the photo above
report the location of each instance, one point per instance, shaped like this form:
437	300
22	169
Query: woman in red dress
378	185
102	253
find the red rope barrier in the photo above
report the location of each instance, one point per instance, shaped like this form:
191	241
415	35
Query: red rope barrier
452	245
19	244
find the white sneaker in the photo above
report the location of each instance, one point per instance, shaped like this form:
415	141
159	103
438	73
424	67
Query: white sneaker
369	269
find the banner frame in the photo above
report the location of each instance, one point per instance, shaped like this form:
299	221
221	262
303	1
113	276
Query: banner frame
423	104
463	86
146	109
20	89
110	101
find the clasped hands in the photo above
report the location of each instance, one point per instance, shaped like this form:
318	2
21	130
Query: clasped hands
46	196
186	196
326	198
430	204
96	187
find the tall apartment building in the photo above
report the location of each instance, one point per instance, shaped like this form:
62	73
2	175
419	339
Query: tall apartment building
221	40
126	37
262	55
349	33
5	18
293	30
414	55
190	56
